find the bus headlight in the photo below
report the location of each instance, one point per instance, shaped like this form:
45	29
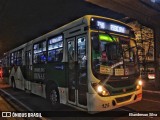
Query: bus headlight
140	82
100	90
139	85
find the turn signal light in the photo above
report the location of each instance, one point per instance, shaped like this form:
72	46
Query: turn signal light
139	85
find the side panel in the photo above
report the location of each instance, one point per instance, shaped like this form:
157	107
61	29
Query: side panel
77	71
38	89
18	77
56	72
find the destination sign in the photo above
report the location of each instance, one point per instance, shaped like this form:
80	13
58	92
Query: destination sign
55	39
109	25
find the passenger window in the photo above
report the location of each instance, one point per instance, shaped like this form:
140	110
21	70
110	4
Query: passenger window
55	49
16	57
40	52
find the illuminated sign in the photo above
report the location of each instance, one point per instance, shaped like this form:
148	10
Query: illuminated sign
111	27
117	28
106	38
55	42
102	24
55	39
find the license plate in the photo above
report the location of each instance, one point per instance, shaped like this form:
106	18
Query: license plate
119	72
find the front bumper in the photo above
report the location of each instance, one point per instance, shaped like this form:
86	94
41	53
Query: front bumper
97	103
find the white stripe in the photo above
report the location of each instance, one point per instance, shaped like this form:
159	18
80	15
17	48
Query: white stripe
151	100
150	91
124	109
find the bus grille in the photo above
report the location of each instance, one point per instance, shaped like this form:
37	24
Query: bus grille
121	83
122	99
121	90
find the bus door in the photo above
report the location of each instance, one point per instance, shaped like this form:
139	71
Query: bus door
82	88
77	71
71	54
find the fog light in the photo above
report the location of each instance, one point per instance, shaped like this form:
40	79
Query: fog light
138	87
139	84
104	93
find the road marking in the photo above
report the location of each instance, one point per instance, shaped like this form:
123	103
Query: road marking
125	109
149	91
151	100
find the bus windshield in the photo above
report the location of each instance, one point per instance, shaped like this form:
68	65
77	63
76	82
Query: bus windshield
113	55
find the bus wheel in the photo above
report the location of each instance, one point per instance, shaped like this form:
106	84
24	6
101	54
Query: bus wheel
53	95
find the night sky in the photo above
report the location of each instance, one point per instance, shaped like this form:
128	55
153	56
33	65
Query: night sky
24	20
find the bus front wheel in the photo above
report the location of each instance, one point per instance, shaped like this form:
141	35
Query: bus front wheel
53	95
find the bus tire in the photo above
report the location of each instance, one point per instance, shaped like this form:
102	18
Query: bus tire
53	95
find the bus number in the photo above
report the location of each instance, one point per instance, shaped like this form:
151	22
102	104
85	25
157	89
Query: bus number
105	105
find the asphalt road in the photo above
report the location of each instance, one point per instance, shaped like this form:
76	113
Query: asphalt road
149	104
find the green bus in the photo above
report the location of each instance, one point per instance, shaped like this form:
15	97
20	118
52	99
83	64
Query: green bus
90	63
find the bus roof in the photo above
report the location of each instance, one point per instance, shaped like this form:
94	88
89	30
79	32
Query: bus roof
83	20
